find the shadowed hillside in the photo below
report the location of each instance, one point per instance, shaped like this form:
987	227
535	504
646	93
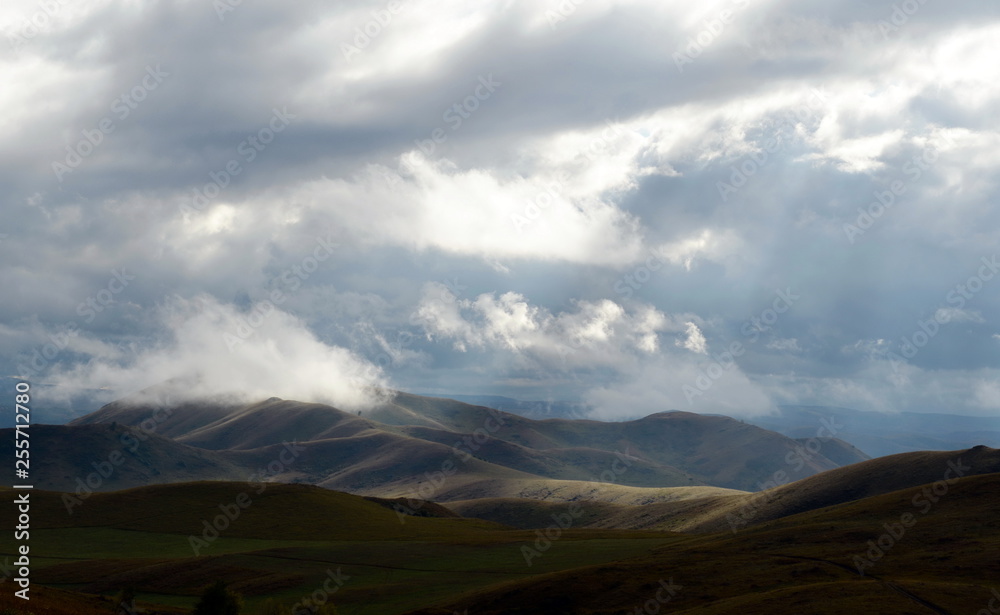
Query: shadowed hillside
943	562
882	554
719	512
671	449
104	457
281	542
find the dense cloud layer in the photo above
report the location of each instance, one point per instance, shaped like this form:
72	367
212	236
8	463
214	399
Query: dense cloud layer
212	349
716	208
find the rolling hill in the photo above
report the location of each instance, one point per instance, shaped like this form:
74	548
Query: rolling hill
876	433
670	449
706	512
450	507
829	561
277	541
106	457
285	541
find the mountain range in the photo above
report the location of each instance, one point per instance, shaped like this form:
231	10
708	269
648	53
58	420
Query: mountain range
875	433
431	506
408	446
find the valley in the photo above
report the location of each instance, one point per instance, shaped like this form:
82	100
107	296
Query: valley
432	506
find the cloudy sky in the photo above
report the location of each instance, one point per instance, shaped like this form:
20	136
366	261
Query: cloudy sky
635	204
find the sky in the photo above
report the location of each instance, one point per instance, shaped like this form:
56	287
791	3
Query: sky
637	205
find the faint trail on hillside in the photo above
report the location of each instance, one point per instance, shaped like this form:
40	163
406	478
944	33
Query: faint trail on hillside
915	598
887	584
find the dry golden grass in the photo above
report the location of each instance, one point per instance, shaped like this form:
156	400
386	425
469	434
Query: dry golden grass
803	563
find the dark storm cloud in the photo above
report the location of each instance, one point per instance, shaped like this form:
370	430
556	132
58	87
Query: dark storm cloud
593	157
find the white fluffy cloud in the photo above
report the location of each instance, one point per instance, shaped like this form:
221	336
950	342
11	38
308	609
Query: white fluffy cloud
215	350
596	333
590	167
678	383
695	341
613	354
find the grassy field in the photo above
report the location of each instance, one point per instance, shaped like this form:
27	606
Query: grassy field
944	562
284	545
294	538
384	576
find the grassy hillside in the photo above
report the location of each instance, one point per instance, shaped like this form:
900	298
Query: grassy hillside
602	506
945	562
159	412
702	510
116	456
569	463
686	441
275	421
669	449
850	483
556	491
283	544
293	512
292	537
375	463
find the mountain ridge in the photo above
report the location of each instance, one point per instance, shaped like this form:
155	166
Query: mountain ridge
402	446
